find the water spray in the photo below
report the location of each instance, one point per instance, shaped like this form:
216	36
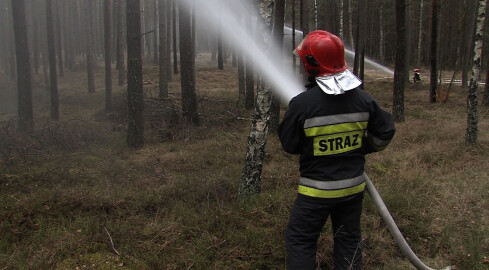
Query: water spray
285	83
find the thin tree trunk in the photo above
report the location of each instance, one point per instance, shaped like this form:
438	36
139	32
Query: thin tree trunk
294	61
89	46
156	33
174	25
168	39
53	78
472	98
189	100
278	37
350	25
108	54
250	82
220	53
401	68
58	38
36	46
24	77
163	57
304	25
143	28
434	50
420	32
241	72
120	42
340	30
381	33
135	103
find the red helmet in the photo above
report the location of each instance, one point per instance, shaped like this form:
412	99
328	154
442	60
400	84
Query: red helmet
322	53
416	70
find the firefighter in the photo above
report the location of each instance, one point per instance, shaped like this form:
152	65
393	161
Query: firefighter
417	76
332	126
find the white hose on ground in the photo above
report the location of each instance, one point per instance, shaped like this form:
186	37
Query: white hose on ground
393	229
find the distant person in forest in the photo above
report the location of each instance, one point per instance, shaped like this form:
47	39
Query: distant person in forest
332	126
417	76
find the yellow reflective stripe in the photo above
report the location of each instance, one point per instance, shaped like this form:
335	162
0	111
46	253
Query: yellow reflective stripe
331	193
338	128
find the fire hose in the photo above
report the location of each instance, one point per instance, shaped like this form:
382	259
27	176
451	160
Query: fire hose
393	229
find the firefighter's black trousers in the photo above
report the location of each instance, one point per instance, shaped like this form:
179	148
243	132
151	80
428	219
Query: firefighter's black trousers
306	221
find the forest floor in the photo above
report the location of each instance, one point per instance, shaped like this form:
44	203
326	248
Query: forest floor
73	196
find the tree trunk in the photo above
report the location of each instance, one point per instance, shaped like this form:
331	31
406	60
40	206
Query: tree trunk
163	57
420	32
340	30
278	37
53	77
143	28
189	100
58	37
358	68
434	50
120	42
251	176
381	33
250	82
168	39
89	46
472	98
294	62
135	127
157	32
24	77
220	53
350	25
174	25
108	54
304	25
401	68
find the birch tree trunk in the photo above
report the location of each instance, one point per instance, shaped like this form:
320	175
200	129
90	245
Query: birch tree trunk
472	99
251	176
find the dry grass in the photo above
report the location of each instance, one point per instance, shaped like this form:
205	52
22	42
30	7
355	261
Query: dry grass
172	204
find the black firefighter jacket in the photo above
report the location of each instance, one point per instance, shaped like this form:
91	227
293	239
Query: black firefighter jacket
332	134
